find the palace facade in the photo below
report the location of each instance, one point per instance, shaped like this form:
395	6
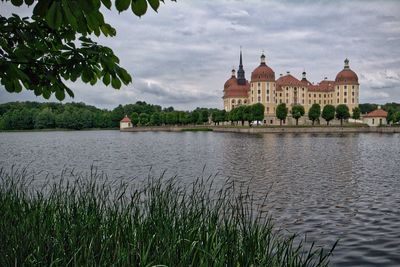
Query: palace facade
266	89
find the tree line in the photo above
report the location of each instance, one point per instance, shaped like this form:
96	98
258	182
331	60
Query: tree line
34	115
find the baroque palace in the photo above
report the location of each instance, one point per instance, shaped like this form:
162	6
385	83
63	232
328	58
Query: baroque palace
264	88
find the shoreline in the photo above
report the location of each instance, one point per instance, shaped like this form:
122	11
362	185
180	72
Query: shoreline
256	130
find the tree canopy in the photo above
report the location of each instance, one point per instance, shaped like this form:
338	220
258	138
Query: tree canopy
314	113
328	113
40	53
297	112
342	113
281	112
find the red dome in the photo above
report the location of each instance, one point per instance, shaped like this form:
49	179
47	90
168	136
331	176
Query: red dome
347	76
233	89
263	73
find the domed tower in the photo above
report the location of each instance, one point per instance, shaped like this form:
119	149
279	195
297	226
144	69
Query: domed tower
347	88
263	89
236	89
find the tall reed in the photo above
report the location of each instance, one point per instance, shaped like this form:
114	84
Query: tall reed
91	221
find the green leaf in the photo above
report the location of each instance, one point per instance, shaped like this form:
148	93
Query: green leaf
60	94
69	16
139	7
106	79
29	2
106	3
17	2
124	75
154	4
86	75
51	15
122	5
17	86
115	83
41	7
69	92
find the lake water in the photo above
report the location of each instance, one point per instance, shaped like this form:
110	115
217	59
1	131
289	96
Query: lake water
327	186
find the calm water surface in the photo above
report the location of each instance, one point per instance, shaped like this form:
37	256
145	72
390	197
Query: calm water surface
327	186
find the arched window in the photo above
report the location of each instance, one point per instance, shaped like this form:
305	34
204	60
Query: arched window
233	101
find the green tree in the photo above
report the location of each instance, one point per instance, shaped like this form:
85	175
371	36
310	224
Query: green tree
53	46
314	113
356	113
144	119
155	119
171	118
194	116
281	112
297	112
328	113
44	119
258	112
396	117
248	114
204	115
390	115
342	113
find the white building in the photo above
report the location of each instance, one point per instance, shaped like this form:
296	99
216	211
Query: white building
125	123
376	117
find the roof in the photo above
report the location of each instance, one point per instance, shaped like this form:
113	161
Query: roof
377	113
233	89
263	73
347	76
126	119
287	80
323	86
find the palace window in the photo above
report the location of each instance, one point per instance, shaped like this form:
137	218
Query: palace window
315	95
287	101
302	89
287	94
302	101
345	100
319	95
324	102
280	94
267	98
345	87
338	87
259	99
324	95
233	101
258	84
337	93
245	101
352	93
338	100
352	100
267	92
259	91
309	95
353	87
345	93
239	101
267	109
280	101
287	88
309	101
315	101
302	95
319	102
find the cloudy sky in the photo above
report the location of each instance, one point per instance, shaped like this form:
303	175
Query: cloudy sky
183	55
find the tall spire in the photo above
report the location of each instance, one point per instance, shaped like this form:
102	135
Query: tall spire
240	73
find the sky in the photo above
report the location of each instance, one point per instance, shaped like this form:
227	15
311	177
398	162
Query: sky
182	55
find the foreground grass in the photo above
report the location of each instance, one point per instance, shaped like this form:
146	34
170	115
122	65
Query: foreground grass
93	222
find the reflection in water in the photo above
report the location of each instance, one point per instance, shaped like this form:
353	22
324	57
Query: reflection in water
327	186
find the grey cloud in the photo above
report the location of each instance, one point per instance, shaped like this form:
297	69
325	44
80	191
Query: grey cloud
183	55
